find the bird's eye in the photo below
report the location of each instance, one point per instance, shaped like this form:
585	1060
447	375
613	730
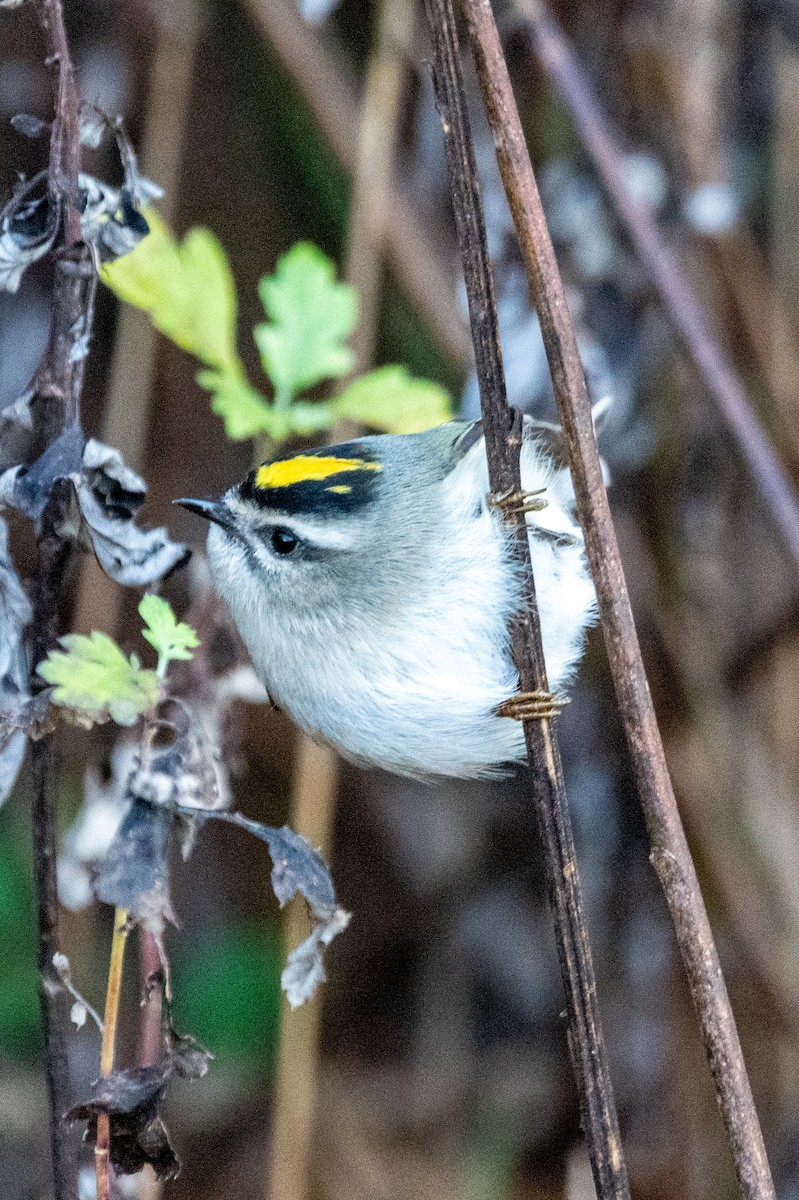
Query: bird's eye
283	541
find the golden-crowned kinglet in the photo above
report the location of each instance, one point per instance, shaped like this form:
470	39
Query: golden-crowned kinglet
373	584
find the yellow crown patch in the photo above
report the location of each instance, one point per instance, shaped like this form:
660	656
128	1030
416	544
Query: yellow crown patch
308	468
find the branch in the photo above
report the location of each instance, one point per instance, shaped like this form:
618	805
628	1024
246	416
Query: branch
680	304
503	435
670	855
55	408
64	141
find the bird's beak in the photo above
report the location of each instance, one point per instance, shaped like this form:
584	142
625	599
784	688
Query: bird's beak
212	510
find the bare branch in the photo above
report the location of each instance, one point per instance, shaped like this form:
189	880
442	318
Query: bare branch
503	434
670	854
56	408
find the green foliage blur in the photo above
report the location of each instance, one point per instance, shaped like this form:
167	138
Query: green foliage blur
20	1038
188	291
227	992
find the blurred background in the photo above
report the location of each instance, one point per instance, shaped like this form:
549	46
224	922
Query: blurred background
434	1062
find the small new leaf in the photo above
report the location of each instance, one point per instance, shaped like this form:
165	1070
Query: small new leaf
94	680
310	318
172	639
391	400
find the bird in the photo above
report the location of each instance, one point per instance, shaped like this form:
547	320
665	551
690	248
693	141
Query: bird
373	583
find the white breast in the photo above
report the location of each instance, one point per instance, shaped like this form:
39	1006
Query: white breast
418	693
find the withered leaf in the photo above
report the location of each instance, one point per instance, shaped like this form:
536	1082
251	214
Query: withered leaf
134	874
180	778
134	1098
298	868
62	458
29	125
108	495
182	782
28	225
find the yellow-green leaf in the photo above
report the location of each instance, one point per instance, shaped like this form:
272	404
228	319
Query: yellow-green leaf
173	639
186	287
391	400
244	410
92	677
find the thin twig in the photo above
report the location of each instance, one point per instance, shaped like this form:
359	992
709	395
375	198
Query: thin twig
372	177
680	304
55	408
64	141
313	804
102	1149
503	434
670	854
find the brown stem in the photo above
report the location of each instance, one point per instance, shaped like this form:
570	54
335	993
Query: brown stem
503	434
679	303
56	407
670	855
64	142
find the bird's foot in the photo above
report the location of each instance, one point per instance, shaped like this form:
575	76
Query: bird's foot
533	706
512	501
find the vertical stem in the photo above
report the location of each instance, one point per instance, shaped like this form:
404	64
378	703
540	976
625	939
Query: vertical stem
503	436
670	854
680	305
53	558
374	167
102	1151
58	385
51	998
313	803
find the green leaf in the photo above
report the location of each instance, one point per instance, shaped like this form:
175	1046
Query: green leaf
391	400
310	318
172	639
187	288
309	417
94	679
244	410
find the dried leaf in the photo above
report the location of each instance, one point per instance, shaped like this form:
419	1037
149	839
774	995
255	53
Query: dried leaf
27	230
134	1099
134	875
298	868
182	778
108	495
61	459
15	614
97	823
28	125
19	411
